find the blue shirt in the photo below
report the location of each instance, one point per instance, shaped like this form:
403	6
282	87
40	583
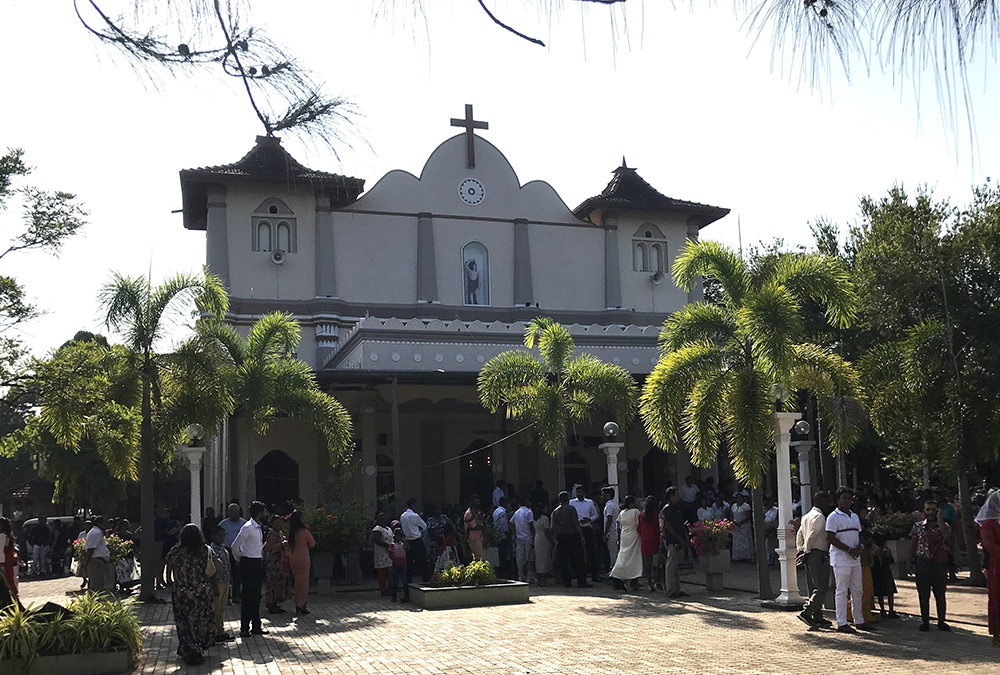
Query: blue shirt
232	529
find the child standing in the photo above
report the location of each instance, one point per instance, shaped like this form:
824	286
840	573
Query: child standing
884	586
220	583
398	574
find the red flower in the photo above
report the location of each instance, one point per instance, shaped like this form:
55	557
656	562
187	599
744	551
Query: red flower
329	518
335	519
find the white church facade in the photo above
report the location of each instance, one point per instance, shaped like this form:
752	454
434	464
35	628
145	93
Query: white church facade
405	290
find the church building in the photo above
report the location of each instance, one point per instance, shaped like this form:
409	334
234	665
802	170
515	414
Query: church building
404	291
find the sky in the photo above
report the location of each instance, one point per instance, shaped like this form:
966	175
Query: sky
686	97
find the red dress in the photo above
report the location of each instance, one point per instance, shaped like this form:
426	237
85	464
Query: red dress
649	535
989	535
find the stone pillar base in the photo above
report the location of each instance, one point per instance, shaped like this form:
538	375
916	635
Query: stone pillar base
713	582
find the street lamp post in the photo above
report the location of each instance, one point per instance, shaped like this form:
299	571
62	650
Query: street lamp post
804	448
789	596
611	449
194	454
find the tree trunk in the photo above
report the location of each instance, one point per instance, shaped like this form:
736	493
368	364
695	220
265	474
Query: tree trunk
764	591
147	547
976	576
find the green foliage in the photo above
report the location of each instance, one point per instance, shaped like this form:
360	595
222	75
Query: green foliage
894	526
722	365
476	573
118	548
340	531
559	389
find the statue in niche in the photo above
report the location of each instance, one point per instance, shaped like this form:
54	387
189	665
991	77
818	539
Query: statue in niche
471	283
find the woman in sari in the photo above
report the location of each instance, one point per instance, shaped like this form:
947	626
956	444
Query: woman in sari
743	536
276	567
191	594
544	543
300	540
988	520
628	564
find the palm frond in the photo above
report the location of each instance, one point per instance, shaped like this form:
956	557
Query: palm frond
821	278
535	328
555	345
704	418
203	290
115	430
503	379
698	321
770	319
607	385
713	260
273	335
664	395
123	302
226	336
749	407
548	410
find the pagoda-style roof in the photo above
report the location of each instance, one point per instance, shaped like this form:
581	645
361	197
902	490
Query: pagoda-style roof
266	162
629	191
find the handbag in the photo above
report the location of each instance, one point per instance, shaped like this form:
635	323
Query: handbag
210	564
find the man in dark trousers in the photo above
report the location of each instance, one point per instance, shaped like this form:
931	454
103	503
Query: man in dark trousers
248	550
569	540
814	550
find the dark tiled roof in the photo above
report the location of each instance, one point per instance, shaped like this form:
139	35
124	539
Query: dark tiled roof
628	190
267	161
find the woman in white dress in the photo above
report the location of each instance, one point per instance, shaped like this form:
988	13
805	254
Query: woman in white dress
543	544
743	536
628	565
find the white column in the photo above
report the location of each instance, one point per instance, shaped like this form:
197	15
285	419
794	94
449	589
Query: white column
789	595
804	448
194	457
611	451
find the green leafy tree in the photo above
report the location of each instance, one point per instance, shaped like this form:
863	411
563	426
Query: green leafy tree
556	388
726	368
268	381
140	313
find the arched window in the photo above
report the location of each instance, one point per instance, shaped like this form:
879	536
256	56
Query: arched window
284	238
475	274
263	236
273	227
649	249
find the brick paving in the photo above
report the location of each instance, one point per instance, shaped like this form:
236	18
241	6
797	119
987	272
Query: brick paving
571	633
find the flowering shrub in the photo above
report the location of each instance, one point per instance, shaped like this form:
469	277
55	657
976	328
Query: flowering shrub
339	531
711	536
477	573
117	547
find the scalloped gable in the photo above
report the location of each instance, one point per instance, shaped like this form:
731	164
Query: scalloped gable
436	190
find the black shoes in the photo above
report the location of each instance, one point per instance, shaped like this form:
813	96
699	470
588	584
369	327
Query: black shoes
846	628
224	637
302	610
943	626
807	620
195	660
924	627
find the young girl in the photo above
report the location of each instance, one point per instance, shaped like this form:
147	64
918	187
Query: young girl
397	574
884	586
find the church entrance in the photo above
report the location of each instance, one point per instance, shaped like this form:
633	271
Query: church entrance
577	473
277	479
476	474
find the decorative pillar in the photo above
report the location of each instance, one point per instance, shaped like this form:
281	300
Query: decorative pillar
194	456
523	293
612	272
611	451
326	279
427	290
217	234
804	448
789	596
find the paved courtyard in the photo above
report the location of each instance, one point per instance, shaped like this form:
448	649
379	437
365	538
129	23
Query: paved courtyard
573	632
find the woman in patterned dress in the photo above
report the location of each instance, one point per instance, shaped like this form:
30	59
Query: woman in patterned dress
382	540
438	526
191	594
277	587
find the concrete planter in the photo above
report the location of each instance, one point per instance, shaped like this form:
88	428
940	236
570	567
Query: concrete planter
322	571
452	597
714	566
900	549
78	664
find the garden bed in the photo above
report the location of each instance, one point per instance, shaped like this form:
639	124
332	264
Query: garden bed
77	664
454	597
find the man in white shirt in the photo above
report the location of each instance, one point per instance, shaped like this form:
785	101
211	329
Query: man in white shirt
97	559
689	497
586	512
523	521
248	550
814	549
843	532
770	530
611	511
498	493
413	529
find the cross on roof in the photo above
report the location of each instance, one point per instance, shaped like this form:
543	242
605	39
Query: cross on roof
469	125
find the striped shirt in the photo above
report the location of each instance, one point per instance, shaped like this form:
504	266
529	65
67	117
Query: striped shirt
847	528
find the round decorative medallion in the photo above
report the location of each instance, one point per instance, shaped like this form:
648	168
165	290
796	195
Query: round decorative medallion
459	358
395	356
616	360
480	358
635	360
373	356
439	357
418	357
471	191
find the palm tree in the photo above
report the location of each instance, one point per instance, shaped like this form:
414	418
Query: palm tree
141	314
726	367
268	381
559	389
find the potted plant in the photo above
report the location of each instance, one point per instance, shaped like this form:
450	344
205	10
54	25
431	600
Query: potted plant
710	538
93	636
338	532
472	585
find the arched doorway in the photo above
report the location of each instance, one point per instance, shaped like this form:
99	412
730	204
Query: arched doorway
577	472
654	472
277	478
476	473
